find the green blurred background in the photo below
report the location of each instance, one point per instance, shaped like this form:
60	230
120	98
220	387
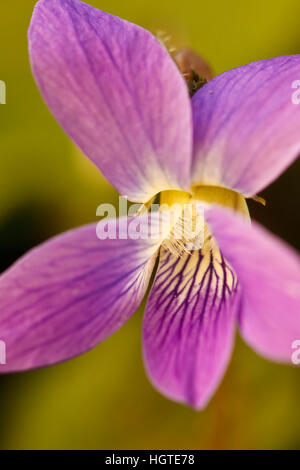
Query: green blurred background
103	400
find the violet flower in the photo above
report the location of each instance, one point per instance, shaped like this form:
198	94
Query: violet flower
118	94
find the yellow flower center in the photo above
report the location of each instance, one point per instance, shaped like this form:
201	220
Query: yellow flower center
207	194
189	228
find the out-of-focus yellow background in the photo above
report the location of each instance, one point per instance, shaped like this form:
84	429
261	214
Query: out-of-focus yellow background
103	400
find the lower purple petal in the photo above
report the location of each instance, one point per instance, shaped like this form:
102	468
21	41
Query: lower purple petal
269	275
189	325
70	293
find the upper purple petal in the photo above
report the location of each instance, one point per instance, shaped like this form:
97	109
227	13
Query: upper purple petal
269	274
247	125
117	93
70	293
189	325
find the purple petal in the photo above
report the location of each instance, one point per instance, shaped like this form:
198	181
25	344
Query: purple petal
246	126
269	274
117	93
189	325
70	293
